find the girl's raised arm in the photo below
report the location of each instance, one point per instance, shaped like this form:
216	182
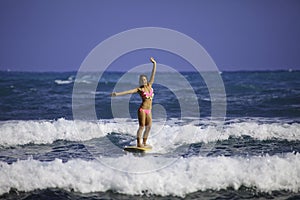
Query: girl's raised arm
153	70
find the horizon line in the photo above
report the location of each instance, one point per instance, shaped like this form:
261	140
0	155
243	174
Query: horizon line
123	71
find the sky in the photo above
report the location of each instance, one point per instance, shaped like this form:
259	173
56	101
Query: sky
57	35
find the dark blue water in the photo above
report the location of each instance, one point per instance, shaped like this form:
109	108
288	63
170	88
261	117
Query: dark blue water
43	151
31	96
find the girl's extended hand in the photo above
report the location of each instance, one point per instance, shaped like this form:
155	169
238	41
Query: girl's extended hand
114	94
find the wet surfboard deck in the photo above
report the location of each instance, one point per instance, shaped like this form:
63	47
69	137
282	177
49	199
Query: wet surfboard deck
136	149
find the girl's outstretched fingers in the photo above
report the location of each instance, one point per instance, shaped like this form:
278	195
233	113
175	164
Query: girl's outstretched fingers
113	94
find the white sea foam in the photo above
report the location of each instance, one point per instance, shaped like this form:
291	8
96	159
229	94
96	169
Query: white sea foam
186	175
46	131
42	132
63	82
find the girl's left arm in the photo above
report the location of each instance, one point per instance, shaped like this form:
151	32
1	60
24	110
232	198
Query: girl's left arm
153	70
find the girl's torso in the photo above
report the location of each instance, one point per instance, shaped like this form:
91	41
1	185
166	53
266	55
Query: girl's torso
146	93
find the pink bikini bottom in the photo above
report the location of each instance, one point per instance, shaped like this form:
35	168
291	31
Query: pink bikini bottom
146	111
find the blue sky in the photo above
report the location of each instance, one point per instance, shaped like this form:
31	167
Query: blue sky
56	35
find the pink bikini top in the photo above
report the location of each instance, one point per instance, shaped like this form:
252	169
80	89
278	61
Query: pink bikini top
147	95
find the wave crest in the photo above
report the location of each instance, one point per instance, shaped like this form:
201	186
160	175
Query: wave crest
46	131
187	175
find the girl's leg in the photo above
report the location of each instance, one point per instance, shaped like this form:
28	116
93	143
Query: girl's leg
142	121
148	127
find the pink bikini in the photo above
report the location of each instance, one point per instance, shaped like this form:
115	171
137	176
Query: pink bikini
146	95
146	111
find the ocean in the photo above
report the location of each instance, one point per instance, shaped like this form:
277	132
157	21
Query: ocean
47	153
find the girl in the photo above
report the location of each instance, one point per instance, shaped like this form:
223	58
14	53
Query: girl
144	112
